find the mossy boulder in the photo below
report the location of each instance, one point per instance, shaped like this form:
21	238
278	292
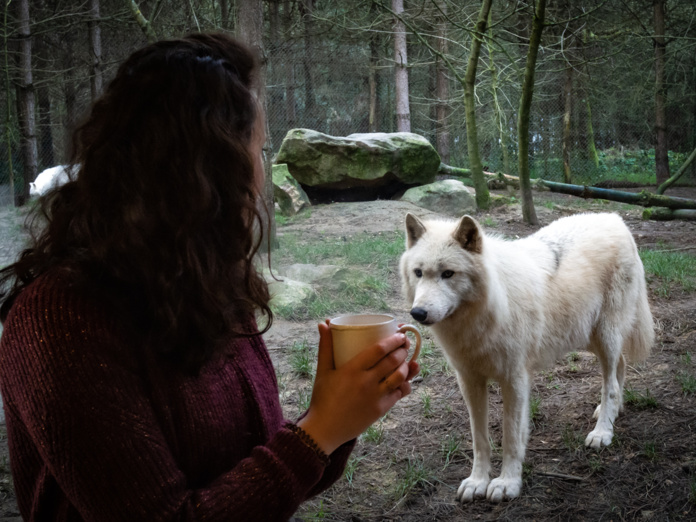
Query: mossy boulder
362	163
448	197
287	192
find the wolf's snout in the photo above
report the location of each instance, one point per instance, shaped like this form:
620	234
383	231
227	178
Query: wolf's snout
419	314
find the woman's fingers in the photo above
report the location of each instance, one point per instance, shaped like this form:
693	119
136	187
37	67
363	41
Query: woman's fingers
375	355
325	356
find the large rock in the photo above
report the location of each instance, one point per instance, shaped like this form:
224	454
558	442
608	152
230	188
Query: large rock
448	197
361	166
287	192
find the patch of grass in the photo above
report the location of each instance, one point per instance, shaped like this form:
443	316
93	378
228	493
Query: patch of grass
692	489
671	269
374	434
426	403
450	449
640	401
688	383
351	467
650	450
304	396
595	464
534	404
415	475
302	359
367	293
319	514
571	439
381	250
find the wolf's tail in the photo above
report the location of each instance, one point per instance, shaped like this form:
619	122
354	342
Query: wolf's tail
641	339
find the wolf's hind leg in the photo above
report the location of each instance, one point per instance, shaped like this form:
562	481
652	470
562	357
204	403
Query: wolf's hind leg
473	388
613	373
621	377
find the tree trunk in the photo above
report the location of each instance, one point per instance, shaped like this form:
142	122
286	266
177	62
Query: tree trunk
69	85
373	78
45	136
8	98
95	47
442	111
143	23
591	147
26	103
661	146
668	183
289	68
312	118
500	119
250	24
567	138
666	214
482	194
403	113
528	211
644	198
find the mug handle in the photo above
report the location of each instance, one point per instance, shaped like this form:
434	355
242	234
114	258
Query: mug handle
410	328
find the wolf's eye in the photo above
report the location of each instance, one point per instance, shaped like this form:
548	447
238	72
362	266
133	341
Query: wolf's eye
447	274
418	272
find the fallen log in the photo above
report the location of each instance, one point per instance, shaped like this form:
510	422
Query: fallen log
643	198
667	214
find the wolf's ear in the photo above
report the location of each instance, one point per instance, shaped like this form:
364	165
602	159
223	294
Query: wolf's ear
414	230
469	235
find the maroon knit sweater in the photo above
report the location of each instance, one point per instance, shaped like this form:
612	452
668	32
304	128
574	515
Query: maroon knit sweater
99	431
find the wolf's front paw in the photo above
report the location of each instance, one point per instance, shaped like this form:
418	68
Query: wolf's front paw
599	437
472	488
504	489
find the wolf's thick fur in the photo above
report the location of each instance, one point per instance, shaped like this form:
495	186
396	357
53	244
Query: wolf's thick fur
502	309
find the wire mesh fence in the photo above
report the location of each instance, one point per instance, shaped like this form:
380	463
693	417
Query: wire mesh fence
600	135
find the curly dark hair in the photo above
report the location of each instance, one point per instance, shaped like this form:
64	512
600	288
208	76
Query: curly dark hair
162	215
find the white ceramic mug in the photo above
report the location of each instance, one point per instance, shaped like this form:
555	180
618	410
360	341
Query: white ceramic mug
352	334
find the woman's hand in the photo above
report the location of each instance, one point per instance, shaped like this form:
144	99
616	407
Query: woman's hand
346	401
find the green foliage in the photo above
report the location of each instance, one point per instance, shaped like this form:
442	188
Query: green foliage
670	269
687	382
534	404
375	433
451	448
302	359
426	402
572	440
640	401
380	251
414	476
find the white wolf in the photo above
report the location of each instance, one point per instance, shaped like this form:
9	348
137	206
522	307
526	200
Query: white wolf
502	309
49	179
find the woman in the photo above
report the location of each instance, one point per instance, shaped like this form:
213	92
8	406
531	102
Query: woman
136	384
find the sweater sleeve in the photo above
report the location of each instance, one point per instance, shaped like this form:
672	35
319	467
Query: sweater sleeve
71	386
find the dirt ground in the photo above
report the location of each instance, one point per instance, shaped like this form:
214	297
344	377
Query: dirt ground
410	466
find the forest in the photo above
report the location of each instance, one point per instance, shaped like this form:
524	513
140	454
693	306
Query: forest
594	94
597	92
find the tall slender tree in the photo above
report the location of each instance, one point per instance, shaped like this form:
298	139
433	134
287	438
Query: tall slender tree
661	145
26	103
442	86
95	47
482	194
250	14
528	212
403	112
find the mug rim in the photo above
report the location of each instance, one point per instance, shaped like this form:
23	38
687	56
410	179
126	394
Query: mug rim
339	324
